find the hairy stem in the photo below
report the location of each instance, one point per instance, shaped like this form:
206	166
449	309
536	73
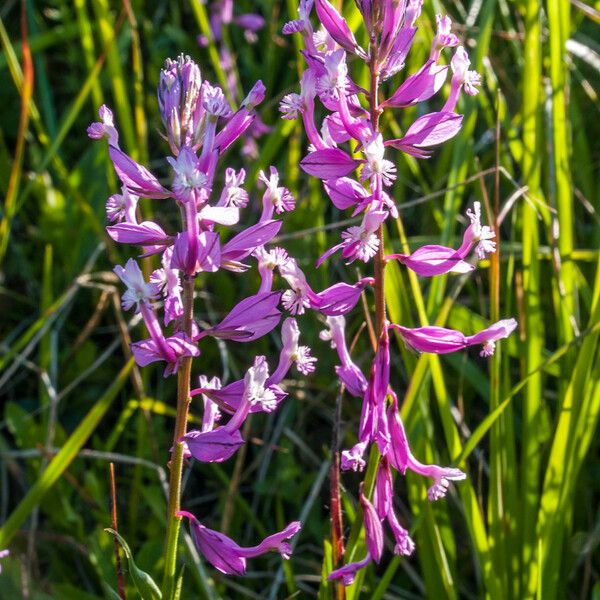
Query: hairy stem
183	403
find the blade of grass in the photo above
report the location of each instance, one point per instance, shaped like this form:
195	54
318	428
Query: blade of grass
559	25
64	458
15	174
533	325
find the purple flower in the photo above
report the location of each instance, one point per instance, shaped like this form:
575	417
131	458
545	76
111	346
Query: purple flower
384	488
350	375
489	336
106	128
189	180
429	130
444	38
373	528
167	279
404	543
219	444
292	353
440	340
359	241
401	458
328	163
230	558
136	177
233	194
297	299
215	445
482	235
345	192
353	459
376	164
337	27
462	78
347	573
421	86
122	207
171	350
340	298
178	101
250	21
275	197
138	291
267	262
250	319
244	243
146	233
434	260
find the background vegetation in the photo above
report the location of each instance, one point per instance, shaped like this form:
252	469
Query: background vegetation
527	521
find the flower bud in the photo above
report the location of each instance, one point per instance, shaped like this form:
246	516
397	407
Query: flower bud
178	94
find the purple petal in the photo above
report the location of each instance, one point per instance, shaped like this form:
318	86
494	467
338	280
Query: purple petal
209	255
432	129
338	299
244	243
347	573
234	128
135	177
337	27
434	260
329	163
250	319
437	340
420	86
144	233
373	529
216	445
345	192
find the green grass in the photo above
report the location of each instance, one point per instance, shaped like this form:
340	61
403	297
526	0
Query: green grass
523	425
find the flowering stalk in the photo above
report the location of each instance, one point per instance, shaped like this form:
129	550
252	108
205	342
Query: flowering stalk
199	127
390	25
183	404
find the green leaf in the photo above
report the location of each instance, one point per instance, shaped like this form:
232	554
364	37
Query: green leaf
143	582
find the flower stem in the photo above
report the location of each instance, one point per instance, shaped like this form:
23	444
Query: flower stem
337	523
183	403
375	112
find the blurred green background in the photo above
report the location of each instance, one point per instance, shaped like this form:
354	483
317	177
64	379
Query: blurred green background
526	524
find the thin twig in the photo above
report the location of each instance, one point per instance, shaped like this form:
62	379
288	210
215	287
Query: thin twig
113	517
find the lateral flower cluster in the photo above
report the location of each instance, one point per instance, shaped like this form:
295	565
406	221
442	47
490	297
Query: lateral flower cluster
351	123
199	126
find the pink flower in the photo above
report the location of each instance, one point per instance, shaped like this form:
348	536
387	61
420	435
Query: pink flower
420	86
340	298
138	291
347	573
230	558
105	128
279	198
136	177
350	375
172	350
250	319
462	78
373	528
434	260
328	163
440	340
292	353
337	27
